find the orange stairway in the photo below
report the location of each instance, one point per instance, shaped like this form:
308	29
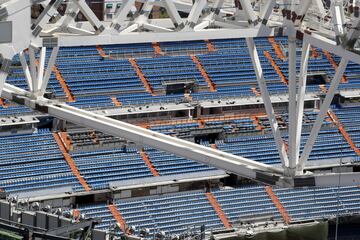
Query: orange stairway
278	204
210	46
157	49
214	203
323	88
314	53
101	51
141	75
277	49
93	136
71	162
201	122
213	146
257	123
203	72
256	92
116	102
117	215
3	103
276	67
343	131
149	164
334	64
70	97
66	140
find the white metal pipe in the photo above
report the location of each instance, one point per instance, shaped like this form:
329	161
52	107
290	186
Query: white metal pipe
50	65
300	97
292	101
322	113
41	69
267	101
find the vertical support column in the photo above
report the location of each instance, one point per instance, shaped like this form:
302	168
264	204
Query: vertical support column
267	102
40	71
292	101
323	111
26	70
49	69
33	70
300	97
5	61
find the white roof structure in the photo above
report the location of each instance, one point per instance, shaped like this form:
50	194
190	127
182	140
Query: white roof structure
335	30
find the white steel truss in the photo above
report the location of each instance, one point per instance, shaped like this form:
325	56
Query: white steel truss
205	20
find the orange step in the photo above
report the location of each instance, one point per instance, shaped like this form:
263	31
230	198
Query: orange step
210	46
71	162
323	88
157	49
76	213
117	215
3	103
93	136
213	146
70	97
334	64
116	102
141	75
202	123
214	203
203	72
101	51
343	131
277	48
276	67
66	140
256	92
314	53
278	204
149	164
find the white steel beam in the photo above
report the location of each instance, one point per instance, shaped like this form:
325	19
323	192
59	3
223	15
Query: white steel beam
265	14
144	37
322	113
89	15
249	12
331	46
71	12
210	18
46	14
267	102
3	76
300	99
292	100
173	13
338	18
49	69
25	67
33	70
144	137
121	15
5	62
194	14
40	72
